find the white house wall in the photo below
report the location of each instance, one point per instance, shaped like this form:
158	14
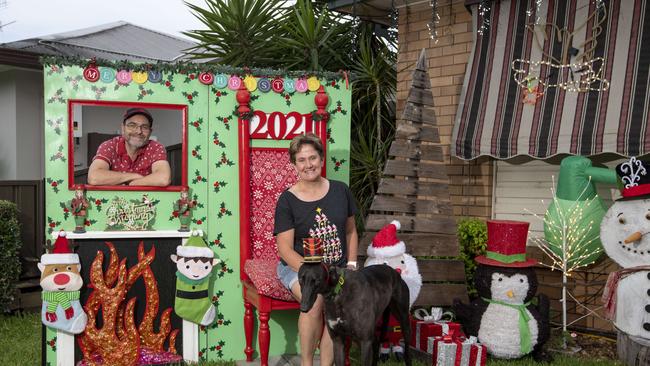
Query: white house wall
8	124
29	125
522	187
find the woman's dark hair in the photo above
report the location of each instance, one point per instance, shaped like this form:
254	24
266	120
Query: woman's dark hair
306	139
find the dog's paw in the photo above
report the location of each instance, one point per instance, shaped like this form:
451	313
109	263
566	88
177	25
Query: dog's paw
399	356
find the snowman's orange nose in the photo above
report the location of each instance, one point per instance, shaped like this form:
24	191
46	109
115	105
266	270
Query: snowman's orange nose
634	237
510	294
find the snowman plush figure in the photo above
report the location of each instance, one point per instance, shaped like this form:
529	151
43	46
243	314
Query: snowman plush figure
503	318
623	233
387	249
194	264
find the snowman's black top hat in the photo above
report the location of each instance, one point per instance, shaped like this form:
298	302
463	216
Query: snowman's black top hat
634	179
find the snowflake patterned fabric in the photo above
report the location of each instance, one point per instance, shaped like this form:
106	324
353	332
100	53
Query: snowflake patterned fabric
272	173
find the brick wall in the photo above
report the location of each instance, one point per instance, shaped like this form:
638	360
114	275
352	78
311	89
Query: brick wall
471	182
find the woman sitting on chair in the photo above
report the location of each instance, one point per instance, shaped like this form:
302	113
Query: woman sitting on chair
318	208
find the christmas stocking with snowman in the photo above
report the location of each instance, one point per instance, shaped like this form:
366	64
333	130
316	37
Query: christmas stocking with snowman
61	281
387	249
194	262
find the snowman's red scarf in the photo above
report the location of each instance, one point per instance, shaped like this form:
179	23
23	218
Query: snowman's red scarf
609	293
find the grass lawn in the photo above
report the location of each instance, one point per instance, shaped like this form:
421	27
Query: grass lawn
20	342
20	339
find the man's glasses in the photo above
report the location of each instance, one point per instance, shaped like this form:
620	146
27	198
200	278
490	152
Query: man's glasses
135	127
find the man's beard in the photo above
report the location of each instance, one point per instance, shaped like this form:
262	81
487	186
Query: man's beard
137	141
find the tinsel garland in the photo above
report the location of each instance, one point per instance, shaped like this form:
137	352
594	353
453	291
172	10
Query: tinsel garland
191	67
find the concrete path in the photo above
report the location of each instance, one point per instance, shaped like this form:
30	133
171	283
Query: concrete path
284	360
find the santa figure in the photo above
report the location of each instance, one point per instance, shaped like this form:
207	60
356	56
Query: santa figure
387	249
61	281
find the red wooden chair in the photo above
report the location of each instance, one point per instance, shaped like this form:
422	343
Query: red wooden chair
263	174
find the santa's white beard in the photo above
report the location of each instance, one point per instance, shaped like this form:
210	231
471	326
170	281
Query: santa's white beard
412	278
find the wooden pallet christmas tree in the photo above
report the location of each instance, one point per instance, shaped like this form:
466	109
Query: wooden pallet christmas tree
414	189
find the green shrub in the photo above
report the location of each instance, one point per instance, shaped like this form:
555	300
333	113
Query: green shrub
9	246
472	237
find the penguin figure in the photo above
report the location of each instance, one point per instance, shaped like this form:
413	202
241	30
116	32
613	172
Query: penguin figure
503	318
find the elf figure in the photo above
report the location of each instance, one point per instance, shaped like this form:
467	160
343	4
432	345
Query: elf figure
194	262
61	282
183	208
79	208
387	249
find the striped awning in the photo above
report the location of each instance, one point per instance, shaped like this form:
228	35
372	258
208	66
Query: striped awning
492	117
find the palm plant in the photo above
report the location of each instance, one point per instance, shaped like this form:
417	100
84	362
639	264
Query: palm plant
373	93
239	32
315	39
307	36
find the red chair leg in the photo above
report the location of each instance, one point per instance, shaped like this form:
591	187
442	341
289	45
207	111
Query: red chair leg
264	337
348	342
248	330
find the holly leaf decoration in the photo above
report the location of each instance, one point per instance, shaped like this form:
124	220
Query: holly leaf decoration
54	184
190	96
223	211
197	124
224	161
143	92
217	242
217	141
198	204
218	184
56	125
195	152
198	177
337	163
66	210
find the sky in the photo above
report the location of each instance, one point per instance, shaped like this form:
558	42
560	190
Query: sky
34	18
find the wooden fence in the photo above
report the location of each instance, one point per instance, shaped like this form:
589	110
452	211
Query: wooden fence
28	195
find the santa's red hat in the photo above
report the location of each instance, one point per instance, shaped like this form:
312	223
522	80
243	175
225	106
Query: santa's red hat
385	243
61	253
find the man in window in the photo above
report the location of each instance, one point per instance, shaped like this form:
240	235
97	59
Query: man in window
132	158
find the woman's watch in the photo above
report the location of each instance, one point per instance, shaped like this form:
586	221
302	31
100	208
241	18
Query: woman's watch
352	264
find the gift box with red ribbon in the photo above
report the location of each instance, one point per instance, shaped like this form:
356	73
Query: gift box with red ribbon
445	350
473	353
425	325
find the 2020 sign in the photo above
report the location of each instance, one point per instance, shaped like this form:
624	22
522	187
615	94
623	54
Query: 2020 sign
278	126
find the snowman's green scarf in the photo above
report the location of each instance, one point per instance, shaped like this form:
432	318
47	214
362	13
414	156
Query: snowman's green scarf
56	298
525	345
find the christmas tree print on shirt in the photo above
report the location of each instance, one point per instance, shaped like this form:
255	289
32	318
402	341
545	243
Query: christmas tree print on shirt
329	234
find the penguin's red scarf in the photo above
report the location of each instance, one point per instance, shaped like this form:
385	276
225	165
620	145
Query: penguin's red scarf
609	293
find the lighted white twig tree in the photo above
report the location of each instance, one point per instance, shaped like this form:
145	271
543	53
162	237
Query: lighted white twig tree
571	241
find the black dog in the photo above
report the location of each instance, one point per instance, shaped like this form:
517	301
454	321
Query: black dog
355	302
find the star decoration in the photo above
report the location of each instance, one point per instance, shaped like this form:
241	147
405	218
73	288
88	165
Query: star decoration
531	95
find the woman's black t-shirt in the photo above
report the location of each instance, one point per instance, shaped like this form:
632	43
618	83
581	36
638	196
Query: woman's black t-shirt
325	218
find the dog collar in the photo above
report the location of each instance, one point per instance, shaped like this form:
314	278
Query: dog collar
339	284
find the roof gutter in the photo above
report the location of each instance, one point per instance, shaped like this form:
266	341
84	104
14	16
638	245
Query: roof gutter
18	58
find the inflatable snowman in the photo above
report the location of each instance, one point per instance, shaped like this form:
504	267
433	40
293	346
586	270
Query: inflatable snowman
623	233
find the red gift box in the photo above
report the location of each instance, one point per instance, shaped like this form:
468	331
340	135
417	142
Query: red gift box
421	330
478	355
445	350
